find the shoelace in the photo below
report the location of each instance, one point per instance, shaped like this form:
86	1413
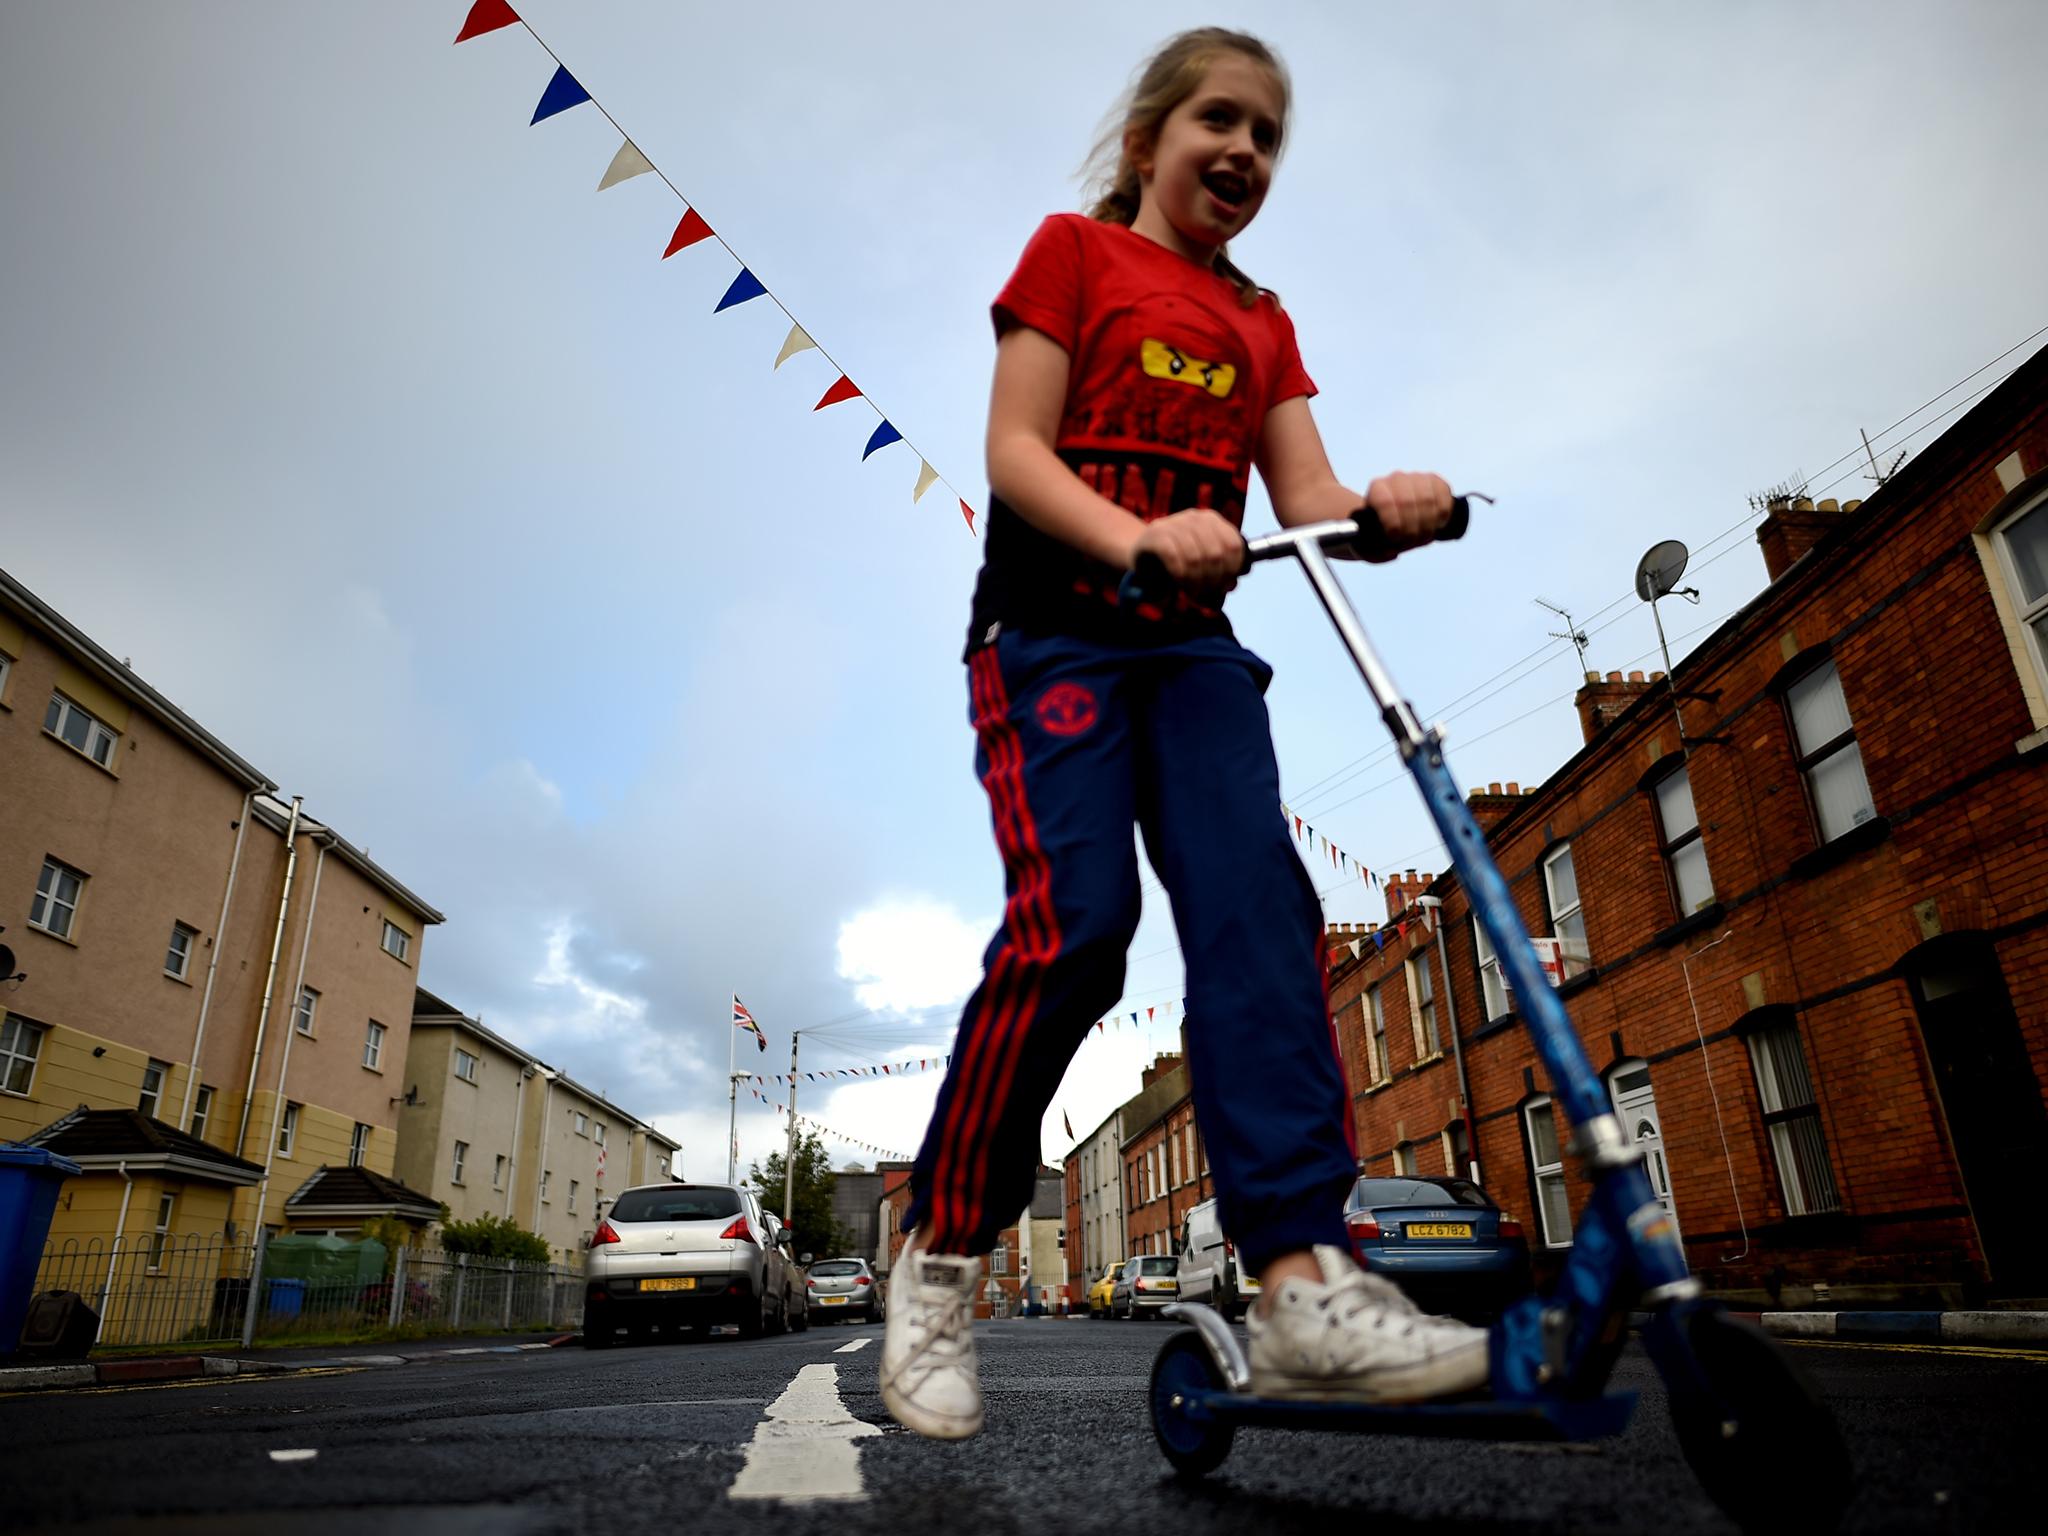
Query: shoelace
940	1315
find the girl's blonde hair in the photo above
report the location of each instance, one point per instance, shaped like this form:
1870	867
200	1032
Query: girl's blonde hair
1168	78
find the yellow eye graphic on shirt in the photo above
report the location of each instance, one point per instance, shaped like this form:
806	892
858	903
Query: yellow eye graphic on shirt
1161	361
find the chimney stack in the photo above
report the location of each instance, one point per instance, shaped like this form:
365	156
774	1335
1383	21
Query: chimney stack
1161	1065
1792	527
1403	889
1602	700
1490	804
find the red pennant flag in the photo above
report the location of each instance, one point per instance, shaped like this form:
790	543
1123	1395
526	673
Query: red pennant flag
1148	1015
845	389
885	1071
486	16
1297	826
967	512
688	233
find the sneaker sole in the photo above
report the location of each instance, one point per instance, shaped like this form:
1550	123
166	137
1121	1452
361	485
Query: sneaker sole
1451	1375
932	1426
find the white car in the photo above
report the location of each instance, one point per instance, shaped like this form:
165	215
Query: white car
1210	1270
676	1255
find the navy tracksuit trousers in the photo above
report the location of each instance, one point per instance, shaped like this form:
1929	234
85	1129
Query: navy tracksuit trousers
1078	741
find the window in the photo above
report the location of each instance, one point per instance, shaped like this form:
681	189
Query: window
498	1172
2022	543
1678	839
1829	759
153	1075
373	1046
597	1133
288	1131
461	1157
1546	1167
1493	990
302	1015
202	1110
178	958
397	942
1404	1158
582	1122
73	726
465	1066
1792	1119
1457	1150
547	1176
55	908
1422	997
160	1234
999	1260
1376	1036
20	1041
574	1187
358	1145
1567	919
6	666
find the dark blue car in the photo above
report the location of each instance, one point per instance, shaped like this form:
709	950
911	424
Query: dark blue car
1442	1240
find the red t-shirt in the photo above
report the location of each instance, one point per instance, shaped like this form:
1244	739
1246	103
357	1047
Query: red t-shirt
1169	382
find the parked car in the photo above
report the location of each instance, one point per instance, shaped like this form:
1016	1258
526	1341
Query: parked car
1144	1285
1210	1270
677	1255
1098	1293
796	1298
1443	1240
846	1288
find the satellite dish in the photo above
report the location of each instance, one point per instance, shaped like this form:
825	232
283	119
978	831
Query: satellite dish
6	963
1658	571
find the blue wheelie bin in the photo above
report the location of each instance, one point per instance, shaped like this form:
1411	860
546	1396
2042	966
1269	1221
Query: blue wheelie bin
29	1177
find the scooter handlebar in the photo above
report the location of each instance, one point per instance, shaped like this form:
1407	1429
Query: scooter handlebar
1148	579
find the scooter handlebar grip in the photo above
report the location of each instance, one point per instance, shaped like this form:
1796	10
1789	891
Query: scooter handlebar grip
1372	542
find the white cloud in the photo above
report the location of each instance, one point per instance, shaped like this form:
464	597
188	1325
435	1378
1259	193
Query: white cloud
907	953
601	1007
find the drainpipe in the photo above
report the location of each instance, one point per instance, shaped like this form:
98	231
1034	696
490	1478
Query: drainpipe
1434	906
284	1058
284	901
114	1258
547	1098
512	1162
213	963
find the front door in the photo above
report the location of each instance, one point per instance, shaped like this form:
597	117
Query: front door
1992	1100
1635	1101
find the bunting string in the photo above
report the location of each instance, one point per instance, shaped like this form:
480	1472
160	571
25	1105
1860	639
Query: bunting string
563	92
882	1069
840	1136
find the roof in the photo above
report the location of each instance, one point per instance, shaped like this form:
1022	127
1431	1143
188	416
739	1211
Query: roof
276	815
100	1139
358	1192
120	677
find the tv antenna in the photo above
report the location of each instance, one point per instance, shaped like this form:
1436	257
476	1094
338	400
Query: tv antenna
1879	476
1570	632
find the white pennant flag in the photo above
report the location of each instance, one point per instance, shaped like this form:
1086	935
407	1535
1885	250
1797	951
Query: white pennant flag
925	476
626	164
796	341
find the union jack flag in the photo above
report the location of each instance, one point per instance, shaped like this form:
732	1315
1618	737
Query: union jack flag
741	1019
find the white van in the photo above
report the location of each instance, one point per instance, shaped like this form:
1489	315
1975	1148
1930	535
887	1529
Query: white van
1209	1267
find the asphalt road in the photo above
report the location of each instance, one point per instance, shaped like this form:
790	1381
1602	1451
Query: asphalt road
653	1438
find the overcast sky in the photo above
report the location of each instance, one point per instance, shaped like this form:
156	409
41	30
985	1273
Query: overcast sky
337	398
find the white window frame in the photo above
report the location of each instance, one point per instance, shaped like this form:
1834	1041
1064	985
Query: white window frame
1578	953
597	1132
402	947
50	898
471	1059
305	1010
202	1111
1548	1177
1837	756
1806	1177
547	1176
1493	986
373	1046
21	1045
6	666
2030	615
575	1187
1450	1136
461	1157
100	739
1376	1036
288	1129
358	1145
155	1074
160	1234
1429	1040
1672	848
178	962
498	1172
582	1123
1404	1159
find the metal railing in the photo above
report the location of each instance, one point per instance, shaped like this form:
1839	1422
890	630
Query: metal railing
196	1290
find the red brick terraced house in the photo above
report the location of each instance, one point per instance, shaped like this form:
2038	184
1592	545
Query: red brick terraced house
1806	942
1166	1169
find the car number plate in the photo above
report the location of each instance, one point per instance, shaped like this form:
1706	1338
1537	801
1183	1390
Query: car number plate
832	1301
681	1283
1438	1229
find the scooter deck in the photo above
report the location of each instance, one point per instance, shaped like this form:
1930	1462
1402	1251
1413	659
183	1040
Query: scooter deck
1593	1418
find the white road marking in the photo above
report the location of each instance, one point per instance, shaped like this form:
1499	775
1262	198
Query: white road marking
803	1452
854	1347
293	1455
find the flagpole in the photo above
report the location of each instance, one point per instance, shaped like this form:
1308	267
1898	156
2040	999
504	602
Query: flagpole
732	1092
789	1157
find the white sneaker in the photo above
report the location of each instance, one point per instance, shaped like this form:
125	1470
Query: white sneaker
1357	1335
929	1382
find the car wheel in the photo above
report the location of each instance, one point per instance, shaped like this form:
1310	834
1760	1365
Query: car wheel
597	1330
803	1319
754	1321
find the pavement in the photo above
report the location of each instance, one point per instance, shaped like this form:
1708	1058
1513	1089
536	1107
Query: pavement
145	1370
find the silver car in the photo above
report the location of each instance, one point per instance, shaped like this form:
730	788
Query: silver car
676	1255
846	1288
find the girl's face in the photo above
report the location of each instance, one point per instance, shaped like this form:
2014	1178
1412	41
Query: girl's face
1207	173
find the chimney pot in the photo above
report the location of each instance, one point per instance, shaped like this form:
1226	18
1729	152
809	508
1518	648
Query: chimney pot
1614	677
1803	504
1828	505
1514	788
1411	874
1656	677
1592	677
1852	504
1493	789
1635	677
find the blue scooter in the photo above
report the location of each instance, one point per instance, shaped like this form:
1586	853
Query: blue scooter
1762	1445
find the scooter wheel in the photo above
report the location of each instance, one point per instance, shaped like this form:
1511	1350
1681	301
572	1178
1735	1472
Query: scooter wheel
1762	1445
1195	1443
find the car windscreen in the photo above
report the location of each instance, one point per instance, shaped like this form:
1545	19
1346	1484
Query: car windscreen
1158	1266
684	1202
836	1267
1370	1194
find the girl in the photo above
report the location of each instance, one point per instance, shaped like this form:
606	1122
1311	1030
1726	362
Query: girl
1139	375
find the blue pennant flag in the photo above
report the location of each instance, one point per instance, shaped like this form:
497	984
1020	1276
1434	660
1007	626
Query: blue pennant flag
744	287
562	93
884	436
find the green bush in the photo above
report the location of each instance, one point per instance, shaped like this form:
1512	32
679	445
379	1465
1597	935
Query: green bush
494	1237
